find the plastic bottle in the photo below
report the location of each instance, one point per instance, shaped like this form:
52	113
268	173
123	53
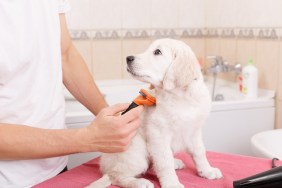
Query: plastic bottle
250	80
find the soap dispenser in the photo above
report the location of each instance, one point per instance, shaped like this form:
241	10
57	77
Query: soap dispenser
250	80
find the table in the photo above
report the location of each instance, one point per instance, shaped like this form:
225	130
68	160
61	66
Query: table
233	167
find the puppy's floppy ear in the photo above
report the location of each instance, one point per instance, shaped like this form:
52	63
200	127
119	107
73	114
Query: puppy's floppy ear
184	69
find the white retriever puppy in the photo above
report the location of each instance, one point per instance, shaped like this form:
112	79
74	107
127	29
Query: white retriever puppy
174	124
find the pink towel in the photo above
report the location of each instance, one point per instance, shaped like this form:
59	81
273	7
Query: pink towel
233	167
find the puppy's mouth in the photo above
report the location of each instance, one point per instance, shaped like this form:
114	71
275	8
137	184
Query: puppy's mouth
142	78
133	73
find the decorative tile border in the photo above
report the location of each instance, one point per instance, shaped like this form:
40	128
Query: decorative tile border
246	33
193	33
241	33
80	35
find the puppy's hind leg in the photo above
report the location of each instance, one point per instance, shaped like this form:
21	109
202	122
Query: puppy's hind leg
163	163
178	164
131	182
198	152
100	183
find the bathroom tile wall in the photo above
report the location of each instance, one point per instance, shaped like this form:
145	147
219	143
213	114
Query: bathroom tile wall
265	53
136	14
279	95
267	56
131	47
107	59
237	30
242	13
132	14
257	33
198	45
280	75
267	61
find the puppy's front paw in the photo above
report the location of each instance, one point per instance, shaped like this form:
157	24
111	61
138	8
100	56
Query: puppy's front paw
178	164
142	183
211	173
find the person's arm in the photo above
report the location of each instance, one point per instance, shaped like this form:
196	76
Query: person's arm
107	133
77	78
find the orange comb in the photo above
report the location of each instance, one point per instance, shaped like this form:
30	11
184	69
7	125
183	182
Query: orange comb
145	98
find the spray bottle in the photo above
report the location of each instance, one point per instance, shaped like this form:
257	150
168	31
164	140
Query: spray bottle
250	80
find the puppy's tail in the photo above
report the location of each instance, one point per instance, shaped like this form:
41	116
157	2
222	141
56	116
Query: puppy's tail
103	182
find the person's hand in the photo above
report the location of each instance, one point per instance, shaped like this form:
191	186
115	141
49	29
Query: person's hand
109	133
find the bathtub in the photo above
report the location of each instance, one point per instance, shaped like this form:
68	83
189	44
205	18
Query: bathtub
231	124
267	144
234	120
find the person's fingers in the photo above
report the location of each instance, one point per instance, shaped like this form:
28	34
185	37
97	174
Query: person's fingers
124	130
133	125
114	134
119	145
133	113
115	109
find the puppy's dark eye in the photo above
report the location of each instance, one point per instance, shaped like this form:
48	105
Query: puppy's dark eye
157	52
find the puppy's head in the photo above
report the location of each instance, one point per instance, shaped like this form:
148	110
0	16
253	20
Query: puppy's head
166	64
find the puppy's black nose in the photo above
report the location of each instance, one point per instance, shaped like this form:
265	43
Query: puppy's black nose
129	59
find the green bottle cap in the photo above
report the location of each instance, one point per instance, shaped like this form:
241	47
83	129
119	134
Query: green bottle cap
250	62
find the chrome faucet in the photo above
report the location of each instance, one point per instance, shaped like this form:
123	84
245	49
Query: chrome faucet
219	65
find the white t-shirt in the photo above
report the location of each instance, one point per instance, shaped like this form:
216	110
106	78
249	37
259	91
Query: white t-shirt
31	89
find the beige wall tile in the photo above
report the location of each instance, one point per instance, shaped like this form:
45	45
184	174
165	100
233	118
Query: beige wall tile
198	45
212	48
226	48
106	60
267	62
279	85
164	14
85	49
246	49
131	47
228	51
278	123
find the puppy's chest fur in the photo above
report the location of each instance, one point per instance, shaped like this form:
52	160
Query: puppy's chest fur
175	113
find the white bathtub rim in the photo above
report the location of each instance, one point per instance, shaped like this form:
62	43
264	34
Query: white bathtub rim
260	150
106	85
266	98
244	104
